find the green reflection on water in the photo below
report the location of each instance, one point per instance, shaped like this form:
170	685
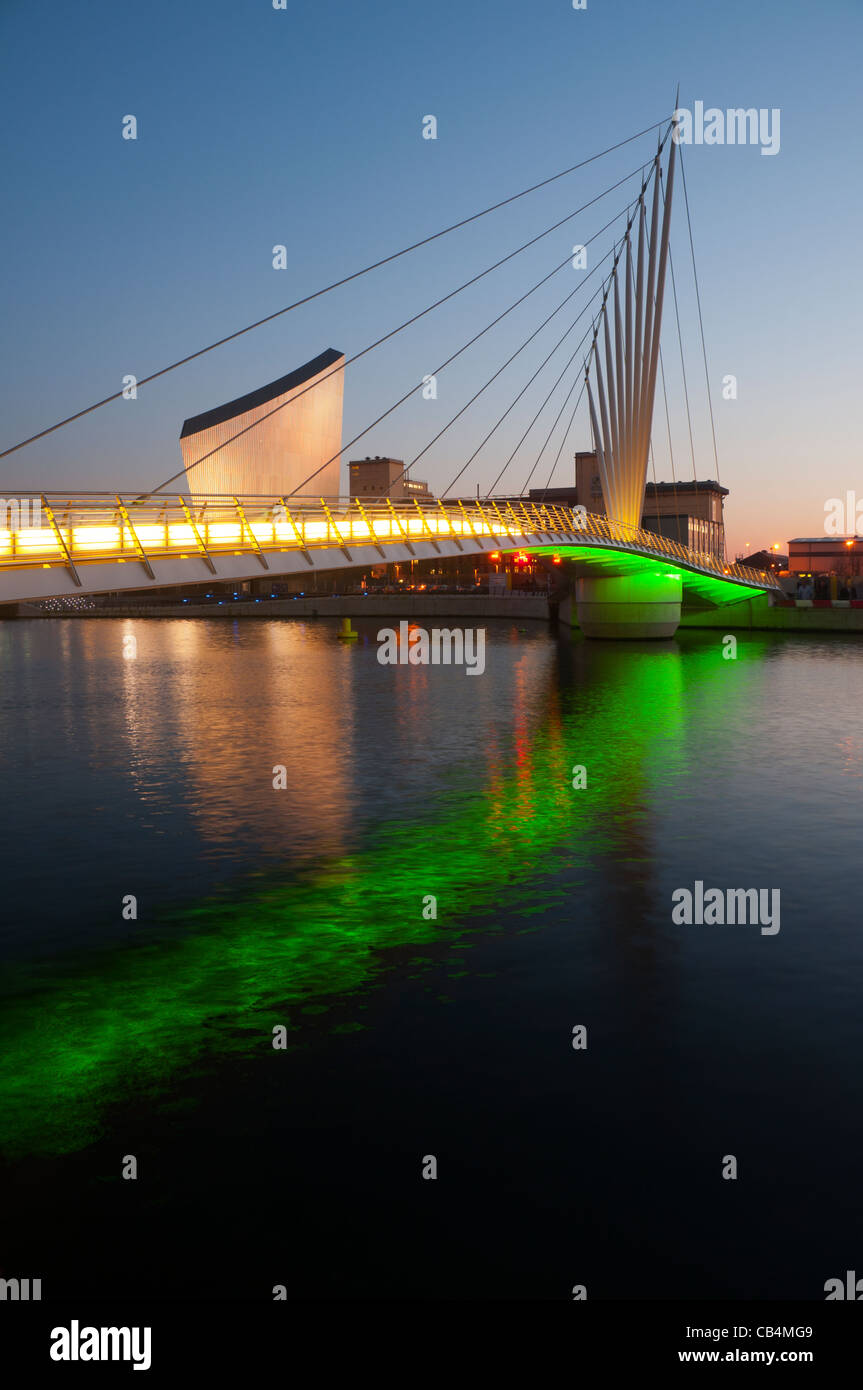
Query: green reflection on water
81	1034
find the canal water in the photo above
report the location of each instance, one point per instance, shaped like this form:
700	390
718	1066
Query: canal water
169	913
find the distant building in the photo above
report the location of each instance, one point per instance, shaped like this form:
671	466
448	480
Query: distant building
554	496
297	428
841	555
588	483
691	513
375	478
764	560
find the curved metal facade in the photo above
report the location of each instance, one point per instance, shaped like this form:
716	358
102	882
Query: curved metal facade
296	426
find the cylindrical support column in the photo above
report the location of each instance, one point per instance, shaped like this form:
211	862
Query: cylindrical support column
642	605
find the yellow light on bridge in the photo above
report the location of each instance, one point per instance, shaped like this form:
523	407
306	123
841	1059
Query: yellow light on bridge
181	535
34	538
95	538
223	532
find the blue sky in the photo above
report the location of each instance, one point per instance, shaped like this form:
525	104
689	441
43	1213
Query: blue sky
303	127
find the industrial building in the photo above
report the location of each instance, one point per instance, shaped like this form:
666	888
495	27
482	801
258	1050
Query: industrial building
838	555
375	478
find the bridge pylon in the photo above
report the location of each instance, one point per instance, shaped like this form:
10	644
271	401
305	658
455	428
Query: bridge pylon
645	603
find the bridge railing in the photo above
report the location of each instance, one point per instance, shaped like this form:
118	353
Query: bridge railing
64	530
635	537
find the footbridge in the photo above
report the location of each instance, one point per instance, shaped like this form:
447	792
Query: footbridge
104	544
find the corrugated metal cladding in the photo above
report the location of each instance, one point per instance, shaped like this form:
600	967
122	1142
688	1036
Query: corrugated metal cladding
300	429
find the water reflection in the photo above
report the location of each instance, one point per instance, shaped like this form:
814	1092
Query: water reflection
87	1031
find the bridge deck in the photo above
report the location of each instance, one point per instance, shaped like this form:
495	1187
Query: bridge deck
94	544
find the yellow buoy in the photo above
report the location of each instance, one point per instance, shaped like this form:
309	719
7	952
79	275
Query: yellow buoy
346	632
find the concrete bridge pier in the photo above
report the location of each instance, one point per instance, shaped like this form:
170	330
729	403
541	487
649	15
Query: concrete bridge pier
643	604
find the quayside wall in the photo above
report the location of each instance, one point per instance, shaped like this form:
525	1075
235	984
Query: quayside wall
756	614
